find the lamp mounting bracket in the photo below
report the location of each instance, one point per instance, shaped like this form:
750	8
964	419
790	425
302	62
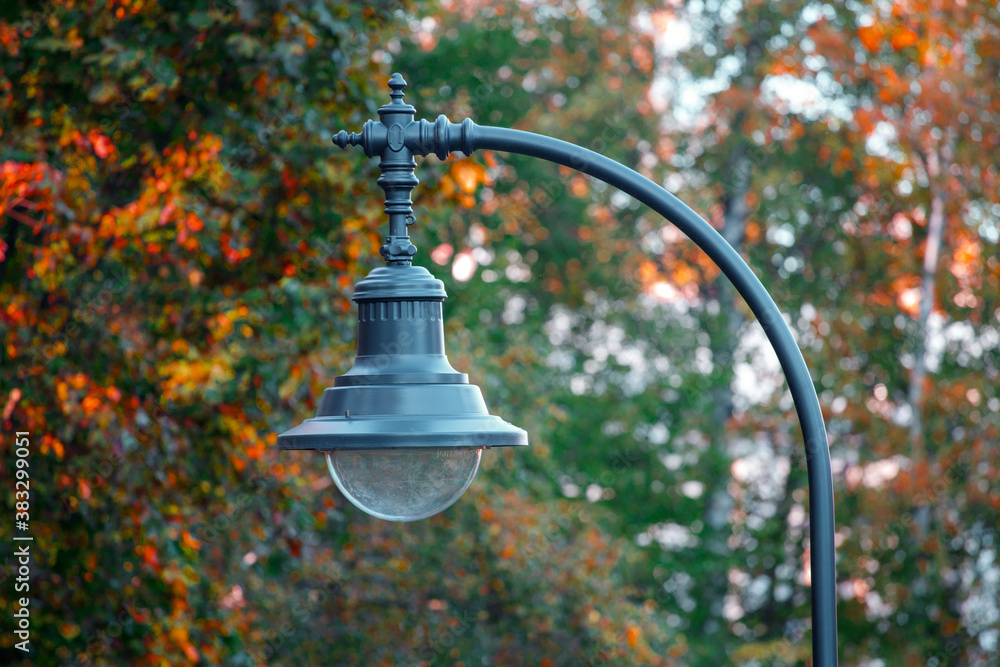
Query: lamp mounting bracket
396	138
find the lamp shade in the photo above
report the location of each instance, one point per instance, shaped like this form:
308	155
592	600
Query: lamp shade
401	392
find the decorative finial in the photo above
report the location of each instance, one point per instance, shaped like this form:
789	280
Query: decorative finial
343	139
397	83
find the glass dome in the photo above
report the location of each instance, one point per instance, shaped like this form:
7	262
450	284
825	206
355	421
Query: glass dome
404	484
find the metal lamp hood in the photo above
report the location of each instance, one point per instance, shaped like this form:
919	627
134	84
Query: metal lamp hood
401	391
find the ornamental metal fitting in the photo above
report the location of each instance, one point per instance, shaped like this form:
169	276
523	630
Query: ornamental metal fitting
396	138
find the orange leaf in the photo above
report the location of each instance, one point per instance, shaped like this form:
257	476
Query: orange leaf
150	556
870	36
903	37
189	541
255	451
647	271
468	175
191	652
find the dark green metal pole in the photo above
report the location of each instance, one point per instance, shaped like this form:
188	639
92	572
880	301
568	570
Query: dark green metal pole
821	521
443	137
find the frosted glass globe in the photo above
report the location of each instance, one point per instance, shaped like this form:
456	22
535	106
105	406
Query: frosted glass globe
404	484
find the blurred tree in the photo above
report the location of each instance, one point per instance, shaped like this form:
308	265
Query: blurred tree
766	113
177	256
638	348
859	212
915	330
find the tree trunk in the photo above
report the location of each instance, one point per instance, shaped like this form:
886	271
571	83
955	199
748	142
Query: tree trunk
736	212
724	340
928	289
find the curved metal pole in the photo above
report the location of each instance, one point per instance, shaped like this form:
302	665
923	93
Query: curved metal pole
396	138
821	522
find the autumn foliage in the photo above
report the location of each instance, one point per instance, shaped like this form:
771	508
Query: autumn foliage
178	243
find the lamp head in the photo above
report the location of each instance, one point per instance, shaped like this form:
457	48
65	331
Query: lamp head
403	431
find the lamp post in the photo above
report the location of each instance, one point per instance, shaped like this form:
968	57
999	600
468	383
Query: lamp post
403	432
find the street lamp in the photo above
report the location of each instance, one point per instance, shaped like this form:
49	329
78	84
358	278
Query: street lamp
403	431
